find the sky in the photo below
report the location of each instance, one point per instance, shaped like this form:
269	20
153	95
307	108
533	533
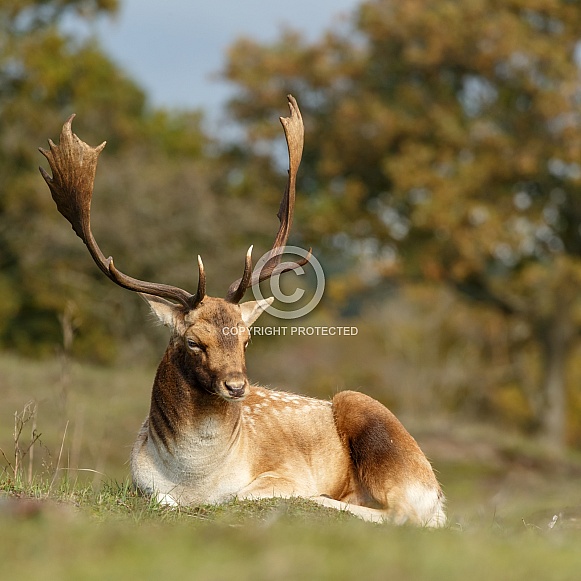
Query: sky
175	49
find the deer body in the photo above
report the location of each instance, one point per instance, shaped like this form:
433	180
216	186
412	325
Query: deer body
201	444
210	436
222	455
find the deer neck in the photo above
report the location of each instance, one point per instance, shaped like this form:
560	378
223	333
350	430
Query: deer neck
182	411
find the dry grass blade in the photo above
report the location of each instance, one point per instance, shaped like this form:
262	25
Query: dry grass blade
59	457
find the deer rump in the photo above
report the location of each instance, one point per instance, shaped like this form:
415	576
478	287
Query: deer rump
211	436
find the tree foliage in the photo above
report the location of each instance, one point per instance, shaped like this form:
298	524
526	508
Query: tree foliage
161	194
444	143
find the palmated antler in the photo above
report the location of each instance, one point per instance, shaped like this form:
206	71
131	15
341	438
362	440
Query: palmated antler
294	134
73	164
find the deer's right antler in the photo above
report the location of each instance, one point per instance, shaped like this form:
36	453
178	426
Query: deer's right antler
294	132
74	164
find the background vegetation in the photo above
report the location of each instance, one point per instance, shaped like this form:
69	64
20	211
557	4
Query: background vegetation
441	189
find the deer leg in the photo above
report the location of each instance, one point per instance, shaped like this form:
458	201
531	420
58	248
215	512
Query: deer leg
273	486
389	465
367	514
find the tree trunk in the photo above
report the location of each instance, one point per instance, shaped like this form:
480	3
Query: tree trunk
555	337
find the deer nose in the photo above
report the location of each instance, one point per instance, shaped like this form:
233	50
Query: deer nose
235	387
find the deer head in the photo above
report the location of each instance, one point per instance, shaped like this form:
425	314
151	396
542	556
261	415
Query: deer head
201	325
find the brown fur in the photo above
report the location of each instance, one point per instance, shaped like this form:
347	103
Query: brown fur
384	454
203	443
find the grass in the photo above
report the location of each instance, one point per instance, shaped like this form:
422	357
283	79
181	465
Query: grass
69	512
83	534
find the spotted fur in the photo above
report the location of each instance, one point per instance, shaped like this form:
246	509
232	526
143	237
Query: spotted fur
204	443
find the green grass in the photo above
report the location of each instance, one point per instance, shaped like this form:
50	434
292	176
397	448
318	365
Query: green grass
111	534
78	517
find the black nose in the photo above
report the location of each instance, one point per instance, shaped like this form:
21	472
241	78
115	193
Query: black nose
235	387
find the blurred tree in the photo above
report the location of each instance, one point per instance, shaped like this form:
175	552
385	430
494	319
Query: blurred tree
444	143
162	192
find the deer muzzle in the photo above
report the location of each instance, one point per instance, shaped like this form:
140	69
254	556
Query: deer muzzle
234	388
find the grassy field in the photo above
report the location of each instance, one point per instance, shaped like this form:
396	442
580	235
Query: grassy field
515	509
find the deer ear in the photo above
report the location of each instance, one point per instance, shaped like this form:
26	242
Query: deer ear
253	309
164	310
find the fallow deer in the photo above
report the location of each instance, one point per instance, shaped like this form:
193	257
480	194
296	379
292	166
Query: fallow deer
210	436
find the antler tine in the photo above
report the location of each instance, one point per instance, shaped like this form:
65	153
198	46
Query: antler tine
73	164
235	295
201	292
294	133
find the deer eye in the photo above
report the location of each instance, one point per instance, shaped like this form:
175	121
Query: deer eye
193	346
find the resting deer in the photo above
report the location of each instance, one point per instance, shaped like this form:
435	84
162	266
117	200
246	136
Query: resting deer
210	436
